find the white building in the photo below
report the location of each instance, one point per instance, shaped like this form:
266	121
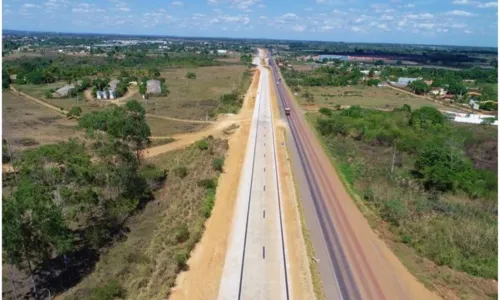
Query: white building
221	51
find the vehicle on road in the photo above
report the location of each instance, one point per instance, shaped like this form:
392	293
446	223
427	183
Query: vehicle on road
287	111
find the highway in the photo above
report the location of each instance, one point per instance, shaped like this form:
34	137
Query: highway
255	263
352	262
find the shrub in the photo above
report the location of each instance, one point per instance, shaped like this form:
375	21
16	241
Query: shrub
181	171
153	175
325	111
425	117
109	291
394	211
48	95
181	258
218	164
182	233
209	183
202	144
208	203
75	111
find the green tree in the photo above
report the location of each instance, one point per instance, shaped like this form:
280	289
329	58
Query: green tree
419	87
426	117
190	75
5	79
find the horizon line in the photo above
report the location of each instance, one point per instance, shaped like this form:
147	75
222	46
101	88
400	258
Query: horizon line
238	38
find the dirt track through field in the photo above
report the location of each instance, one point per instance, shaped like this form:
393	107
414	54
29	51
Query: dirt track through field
202	279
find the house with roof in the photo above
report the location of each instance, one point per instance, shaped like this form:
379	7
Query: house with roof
153	87
438	91
64	91
109	93
406	80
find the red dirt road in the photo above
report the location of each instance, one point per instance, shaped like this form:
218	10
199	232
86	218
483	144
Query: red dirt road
363	266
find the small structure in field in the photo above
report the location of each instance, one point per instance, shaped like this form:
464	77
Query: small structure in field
64	91
153	87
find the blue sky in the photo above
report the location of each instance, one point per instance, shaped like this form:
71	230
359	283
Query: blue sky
452	22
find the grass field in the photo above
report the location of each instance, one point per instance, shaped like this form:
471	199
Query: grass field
195	98
146	262
39	90
160	127
26	124
372	97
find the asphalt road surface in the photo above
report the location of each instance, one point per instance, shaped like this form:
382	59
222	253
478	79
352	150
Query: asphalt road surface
351	262
255	264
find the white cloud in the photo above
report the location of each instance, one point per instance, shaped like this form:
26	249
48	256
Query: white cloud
29	5
459	13
308	9
289	16
338	12
422	16
177	3
488	5
243	19
410	5
467	31
299	28
261	6
243	4
124	8
465	2
86	8
7	11
387	18
458	26
442	30
425	25
356	29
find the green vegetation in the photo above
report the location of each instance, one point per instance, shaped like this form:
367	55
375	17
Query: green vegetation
163	233
71	196
75	112
218	164
426	177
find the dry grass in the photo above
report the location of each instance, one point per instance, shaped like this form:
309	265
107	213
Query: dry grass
194	99
162	127
373	97
26	124
144	263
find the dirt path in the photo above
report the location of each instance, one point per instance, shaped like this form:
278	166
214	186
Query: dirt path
38	101
207	259
181	120
463	109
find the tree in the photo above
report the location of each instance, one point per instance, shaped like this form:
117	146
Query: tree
154	72
190	75
126	123
419	87
379	62
5	79
425	117
308	96
457	88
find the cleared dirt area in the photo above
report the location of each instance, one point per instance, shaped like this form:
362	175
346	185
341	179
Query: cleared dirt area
372	97
26	124
195	98
207	260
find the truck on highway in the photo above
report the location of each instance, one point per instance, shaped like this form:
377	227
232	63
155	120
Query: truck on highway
287	111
